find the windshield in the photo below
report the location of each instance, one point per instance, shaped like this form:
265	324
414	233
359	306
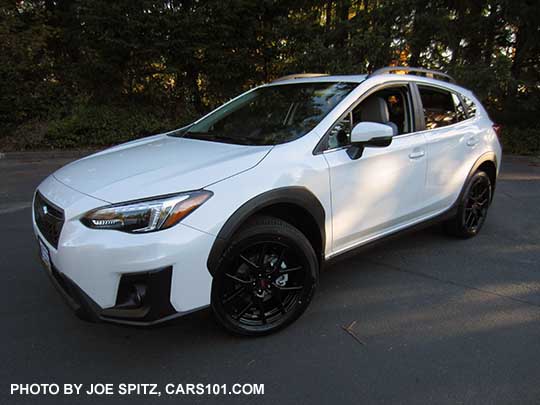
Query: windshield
270	115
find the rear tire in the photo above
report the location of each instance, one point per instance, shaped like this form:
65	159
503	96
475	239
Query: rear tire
473	207
266	279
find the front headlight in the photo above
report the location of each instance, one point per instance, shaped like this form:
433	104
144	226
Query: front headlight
146	215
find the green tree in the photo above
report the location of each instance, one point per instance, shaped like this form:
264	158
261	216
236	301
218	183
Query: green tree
95	72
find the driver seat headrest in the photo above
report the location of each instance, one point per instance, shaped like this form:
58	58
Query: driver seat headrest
375	109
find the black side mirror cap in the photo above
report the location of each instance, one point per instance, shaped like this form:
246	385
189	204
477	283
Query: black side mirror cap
380	142
356	150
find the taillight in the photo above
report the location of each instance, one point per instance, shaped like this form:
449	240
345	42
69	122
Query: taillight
497	128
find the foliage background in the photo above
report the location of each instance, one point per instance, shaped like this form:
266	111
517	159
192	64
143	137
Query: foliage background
76	73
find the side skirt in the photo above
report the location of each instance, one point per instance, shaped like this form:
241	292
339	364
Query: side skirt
451	212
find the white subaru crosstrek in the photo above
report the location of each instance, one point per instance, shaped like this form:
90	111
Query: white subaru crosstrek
240	209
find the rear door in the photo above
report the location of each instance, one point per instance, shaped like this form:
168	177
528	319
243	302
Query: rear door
384	188
451	143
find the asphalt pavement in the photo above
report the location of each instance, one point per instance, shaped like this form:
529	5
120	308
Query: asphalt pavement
432	319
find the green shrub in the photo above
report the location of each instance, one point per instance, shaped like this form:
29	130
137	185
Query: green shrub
104	126
27	136
521	141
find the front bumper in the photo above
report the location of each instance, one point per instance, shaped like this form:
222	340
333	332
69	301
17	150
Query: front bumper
155	308
96	270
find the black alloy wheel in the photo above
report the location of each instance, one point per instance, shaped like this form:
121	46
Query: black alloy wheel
267	279
473	209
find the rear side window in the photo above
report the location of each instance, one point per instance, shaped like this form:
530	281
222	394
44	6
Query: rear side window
470	107
439	107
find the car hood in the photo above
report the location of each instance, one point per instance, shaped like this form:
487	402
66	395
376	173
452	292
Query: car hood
157	165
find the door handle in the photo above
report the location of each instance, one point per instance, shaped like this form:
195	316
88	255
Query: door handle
416	154
473	140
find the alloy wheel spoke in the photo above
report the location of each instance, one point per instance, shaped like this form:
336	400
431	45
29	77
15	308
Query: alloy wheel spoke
260	305
483	202
468	218
279	300
280	259
291	288
249	262
482	193
290	269
234	295
469	221
244	310
237	279
474	221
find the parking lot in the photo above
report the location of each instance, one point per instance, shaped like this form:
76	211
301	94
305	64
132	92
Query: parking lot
436	320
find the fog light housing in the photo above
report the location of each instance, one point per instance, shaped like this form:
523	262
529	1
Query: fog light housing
131	296
142	297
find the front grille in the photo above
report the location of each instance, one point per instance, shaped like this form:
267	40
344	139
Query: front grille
49	219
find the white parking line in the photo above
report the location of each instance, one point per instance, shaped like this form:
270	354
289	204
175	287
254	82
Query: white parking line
14	208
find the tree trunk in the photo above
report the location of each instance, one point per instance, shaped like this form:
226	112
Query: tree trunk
192	78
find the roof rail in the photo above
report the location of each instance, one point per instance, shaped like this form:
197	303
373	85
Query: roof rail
414	70
299	76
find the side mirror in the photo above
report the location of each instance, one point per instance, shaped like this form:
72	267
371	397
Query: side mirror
367	134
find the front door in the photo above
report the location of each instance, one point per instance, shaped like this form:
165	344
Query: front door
384	188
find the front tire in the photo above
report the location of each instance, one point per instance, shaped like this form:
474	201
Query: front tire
266	279
473	207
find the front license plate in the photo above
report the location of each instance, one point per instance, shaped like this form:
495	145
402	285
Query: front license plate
45	256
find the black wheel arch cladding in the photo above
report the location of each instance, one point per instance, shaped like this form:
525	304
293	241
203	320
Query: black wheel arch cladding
295	195
488	158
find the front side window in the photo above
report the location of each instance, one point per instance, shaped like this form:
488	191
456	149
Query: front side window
439	107
270	115
388	106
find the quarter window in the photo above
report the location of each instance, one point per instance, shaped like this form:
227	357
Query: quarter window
470	107
439	107
460	111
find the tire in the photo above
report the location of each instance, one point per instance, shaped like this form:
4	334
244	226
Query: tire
266	279
473	207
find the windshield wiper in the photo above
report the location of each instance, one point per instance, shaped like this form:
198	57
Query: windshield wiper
209	136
